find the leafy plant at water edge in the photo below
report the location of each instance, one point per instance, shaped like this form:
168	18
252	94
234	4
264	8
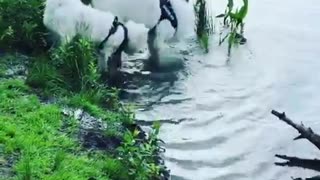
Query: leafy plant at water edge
21	25
71	70
234	20
204	23
140	157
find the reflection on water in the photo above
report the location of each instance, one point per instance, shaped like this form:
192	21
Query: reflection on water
223	129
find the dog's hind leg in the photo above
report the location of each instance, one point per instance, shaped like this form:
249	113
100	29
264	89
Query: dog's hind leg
109	63
154	60
114	65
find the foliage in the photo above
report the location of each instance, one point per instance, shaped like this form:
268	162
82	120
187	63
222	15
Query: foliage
204	23
140	157
234	19
21	25
35	133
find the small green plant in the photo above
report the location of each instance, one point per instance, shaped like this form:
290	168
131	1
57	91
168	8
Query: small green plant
234	20
140	157
21	25
204	23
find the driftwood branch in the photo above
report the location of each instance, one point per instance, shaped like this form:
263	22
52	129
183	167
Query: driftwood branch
305	133
312	178
313	164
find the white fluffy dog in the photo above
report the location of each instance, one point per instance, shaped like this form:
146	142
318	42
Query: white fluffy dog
178	14
166	19
69	18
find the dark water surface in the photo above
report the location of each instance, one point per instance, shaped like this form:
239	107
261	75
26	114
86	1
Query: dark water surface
224	128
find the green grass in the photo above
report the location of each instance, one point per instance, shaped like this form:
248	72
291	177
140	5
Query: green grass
36	135
33	131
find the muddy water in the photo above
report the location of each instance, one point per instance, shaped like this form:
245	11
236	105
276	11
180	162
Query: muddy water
216	114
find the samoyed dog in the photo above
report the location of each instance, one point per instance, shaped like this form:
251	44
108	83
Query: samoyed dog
168	20
68	18
175	16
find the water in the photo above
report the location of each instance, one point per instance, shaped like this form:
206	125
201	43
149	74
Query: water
217	121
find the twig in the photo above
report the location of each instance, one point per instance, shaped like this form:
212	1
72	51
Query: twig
313	164
305	133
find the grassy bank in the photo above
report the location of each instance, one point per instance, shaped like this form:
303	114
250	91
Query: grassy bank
35	145
38	139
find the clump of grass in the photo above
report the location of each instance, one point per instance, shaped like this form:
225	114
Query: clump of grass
42	74
204	23
21	25
234	20
71	68
76	62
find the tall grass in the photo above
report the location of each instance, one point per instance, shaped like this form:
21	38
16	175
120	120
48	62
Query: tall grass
203	24
71	69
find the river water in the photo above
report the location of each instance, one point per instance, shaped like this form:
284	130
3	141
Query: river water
216	114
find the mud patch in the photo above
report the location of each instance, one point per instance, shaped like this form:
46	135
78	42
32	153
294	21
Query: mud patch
14	66
6	165
92	131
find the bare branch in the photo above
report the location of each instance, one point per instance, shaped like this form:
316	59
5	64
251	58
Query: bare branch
305	133
313	164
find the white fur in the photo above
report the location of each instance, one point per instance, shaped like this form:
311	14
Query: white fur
148	12
140	11
67	18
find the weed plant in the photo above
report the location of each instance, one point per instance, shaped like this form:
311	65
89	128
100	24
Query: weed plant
140	158
203	24
234	20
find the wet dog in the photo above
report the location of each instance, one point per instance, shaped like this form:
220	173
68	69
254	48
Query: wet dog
68	18
152	13
166	19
